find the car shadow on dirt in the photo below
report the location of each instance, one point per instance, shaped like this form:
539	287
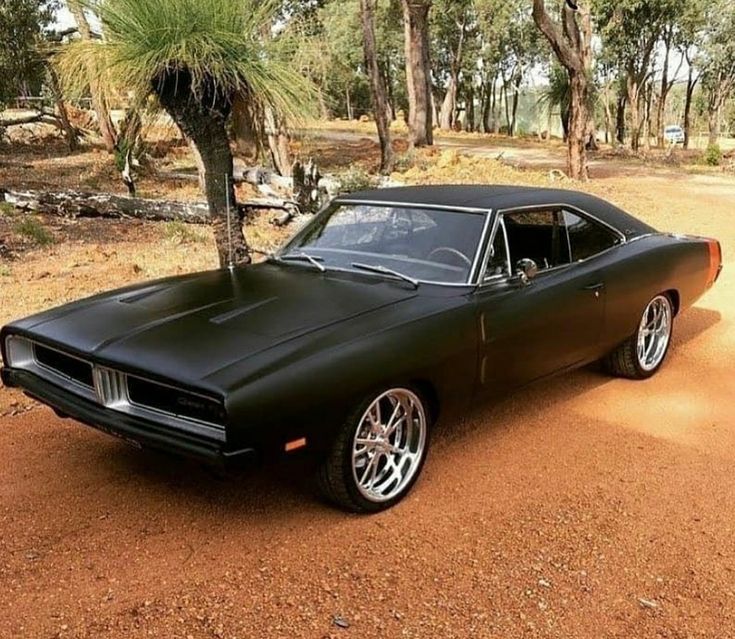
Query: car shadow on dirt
283	487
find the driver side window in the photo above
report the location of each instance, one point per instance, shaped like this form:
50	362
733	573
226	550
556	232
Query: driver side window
538	235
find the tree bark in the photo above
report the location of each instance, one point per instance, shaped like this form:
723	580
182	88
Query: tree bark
514	111
203	120
110	205
99	104
378	91
247	140
633	89
278	142
713	124
86	204
69	130
578	119
691	84
446	115
665	86
418	72
620	118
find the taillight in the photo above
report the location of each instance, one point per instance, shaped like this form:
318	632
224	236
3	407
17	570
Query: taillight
715	261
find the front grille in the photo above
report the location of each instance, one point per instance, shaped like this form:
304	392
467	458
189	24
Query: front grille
174	401
120	391
75	369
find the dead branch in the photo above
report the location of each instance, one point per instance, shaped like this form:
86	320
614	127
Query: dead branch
86	204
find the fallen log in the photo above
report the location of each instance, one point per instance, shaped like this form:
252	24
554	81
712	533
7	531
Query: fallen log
86	204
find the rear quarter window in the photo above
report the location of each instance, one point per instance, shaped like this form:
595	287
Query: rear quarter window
587	237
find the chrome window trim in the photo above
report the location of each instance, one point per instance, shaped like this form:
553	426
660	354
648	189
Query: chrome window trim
554	206
120	401
485	240
497	226
572	209
414	205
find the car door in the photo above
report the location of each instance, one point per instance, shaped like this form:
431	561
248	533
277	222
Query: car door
530	328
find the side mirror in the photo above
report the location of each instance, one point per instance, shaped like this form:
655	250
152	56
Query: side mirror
527	269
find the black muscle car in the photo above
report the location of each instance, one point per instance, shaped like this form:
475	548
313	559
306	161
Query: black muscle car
389	308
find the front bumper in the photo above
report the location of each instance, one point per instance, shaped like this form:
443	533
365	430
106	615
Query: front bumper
131	429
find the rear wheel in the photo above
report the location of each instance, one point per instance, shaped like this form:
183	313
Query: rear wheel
379	452
642	354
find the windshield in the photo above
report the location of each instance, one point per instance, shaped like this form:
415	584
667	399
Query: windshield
425	244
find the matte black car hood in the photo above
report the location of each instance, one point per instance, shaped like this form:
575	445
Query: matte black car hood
195	325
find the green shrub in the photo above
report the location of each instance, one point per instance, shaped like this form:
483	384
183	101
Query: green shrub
181	233
31	229
6	208
356	179
713	155
5	271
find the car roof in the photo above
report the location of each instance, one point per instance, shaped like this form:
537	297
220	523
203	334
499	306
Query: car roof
499	197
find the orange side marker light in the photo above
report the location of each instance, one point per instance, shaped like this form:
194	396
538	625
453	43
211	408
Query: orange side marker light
295	444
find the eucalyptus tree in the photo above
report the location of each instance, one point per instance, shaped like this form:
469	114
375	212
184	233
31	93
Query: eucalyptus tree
630	31
96	89
381	108
196	57
418	71
22	63
571	39
453	35
692	29
718	63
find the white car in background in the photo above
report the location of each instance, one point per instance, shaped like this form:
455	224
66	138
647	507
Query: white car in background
674	134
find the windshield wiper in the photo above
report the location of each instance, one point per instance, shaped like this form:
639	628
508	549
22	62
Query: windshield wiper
304	257
375	268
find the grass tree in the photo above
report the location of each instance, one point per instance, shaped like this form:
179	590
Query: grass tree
197	57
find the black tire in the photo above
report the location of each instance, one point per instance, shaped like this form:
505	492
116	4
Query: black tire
624	361
336	477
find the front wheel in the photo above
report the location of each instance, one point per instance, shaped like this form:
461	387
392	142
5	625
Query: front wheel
641	355
379	452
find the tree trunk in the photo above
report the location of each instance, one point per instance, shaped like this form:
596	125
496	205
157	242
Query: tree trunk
278	142
646	127
247	141
634	107
203	120
691	84
66	125
516	97
109	205
380	101
470	112
578	118
620	119
713	123
446	115
661	108
496	108
348	101
99	104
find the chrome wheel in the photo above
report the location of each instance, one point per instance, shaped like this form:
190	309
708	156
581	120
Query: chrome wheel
389	444
654	333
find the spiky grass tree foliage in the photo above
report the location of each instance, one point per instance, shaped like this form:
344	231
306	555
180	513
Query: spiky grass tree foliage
196	56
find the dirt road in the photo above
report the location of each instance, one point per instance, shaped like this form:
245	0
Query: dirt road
582	507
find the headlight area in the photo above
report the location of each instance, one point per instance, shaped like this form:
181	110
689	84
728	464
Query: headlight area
163	403
175	401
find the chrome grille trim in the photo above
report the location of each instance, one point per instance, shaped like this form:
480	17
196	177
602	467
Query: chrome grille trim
110	389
